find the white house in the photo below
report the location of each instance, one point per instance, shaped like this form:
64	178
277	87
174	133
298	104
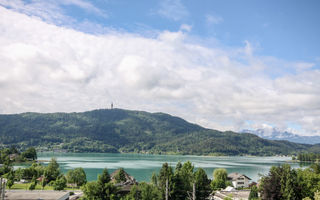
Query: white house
239	180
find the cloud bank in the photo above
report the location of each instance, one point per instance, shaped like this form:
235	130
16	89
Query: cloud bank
49	68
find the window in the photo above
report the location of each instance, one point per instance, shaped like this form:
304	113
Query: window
240	183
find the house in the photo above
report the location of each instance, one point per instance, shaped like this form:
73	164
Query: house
40	179
13	156
239	180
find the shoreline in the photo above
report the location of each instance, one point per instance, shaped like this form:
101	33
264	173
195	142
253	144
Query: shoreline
168	154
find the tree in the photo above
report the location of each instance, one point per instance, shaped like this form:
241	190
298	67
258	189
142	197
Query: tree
120	176
30	153
281	183
219	179
165	179
308	181
154	179
188	178
202	183
270	185
103	189
253	193
315	167
133	194
52	170
107	189
10	179
184	181
178	190
77	176
44	180
33	183
60	183
110	191
92	191
104	177
150	192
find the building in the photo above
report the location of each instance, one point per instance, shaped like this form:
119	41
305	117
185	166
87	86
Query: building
233	194
125	185
239	180
36	195
129	180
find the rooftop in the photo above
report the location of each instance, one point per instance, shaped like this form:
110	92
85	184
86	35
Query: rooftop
36	195
235	176
235	195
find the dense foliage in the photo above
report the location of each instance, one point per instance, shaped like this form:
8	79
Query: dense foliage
173	184
182	182
286	183
76	177
117	130
12	154
102	189
38	174
308	157
220	177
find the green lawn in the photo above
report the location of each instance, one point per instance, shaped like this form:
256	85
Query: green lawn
25	186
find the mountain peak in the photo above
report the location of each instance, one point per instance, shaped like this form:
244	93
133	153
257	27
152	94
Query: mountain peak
275	134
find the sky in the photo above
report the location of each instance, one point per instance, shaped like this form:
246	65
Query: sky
226	65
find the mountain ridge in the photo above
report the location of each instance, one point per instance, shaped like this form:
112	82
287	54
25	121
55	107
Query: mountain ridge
119	130
275	134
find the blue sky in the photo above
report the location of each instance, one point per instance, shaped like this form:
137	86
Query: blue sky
221	64
285	28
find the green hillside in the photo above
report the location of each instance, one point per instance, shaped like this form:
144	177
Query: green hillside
120	130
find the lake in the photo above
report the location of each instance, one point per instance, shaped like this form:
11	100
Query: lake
141	166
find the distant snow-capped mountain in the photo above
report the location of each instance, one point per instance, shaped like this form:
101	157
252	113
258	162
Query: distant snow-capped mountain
274	134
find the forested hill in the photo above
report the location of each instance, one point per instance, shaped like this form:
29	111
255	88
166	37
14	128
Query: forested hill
117	130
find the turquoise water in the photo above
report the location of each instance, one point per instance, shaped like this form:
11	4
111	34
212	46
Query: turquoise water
141	166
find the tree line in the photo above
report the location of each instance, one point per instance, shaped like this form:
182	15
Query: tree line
285	183
38	174
13	155
307	157
179	183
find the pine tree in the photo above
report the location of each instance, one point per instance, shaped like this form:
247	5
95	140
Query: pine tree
202	183
165	180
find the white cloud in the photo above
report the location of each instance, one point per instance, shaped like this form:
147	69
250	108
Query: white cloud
173	9
51	10
48	68
213	19
185	27
84	5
